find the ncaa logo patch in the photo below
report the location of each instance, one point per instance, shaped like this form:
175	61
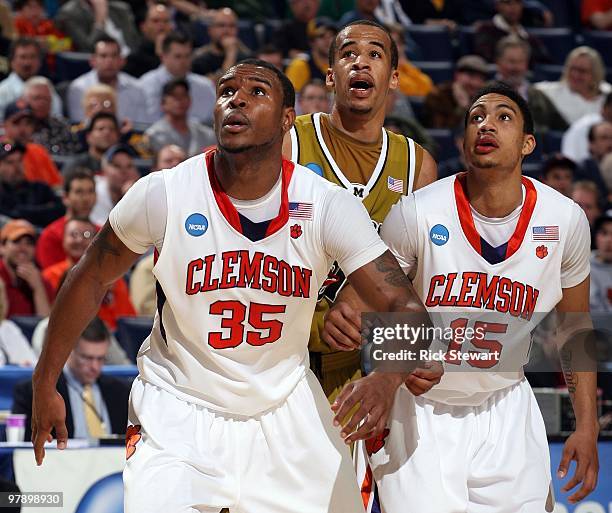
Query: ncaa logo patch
439	235
196	224
315	168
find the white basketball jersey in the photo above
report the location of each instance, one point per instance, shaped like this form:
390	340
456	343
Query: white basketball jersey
235	314
509	297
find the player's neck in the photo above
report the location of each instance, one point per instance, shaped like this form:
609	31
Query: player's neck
364	127
249	175
493	196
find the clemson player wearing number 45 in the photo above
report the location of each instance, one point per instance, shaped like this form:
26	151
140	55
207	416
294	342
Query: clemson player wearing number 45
484	246
225	412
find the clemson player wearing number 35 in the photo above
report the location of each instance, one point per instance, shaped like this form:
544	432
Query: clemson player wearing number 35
225	412
487	244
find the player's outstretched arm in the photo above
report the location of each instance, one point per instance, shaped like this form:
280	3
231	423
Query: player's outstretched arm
106	260
387	289
579	369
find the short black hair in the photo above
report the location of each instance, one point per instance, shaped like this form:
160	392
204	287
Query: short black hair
20	4
503	89
394	51
600	222
22	42
175	37
81	219
101	115
558	161
593	128
286	85
77	173
105	38
170	86
96	331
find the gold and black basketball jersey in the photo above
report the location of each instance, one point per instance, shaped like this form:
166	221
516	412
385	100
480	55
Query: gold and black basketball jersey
378	174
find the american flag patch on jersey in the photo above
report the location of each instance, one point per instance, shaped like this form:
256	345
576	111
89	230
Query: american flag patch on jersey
395	184
550	233
300	210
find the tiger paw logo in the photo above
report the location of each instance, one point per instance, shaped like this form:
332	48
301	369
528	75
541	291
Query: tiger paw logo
541	251
132	437
375	444
296	231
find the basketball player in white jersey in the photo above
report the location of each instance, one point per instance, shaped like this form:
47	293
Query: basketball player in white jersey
488	240
225	412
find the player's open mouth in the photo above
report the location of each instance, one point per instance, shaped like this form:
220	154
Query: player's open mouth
485	144
235	122
361	85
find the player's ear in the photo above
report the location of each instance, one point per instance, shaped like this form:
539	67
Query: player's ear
288	119
329	80
529	144
394	82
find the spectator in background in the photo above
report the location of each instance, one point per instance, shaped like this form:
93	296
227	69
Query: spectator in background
507	22
314	98
512	60
225	48
408	127
14	347
79	199
168	157
434	12
412	81
27	291
106	63
19	198
364	10
559	172
31	21
84	21
601	266
456	164
600	145
582	88
597	14
587	195
49	131
175	128
101	133
77	236
445	106
96	405
291	37
176	63
119	173
575	143
19	127
25	58
156	25
314	64
269	53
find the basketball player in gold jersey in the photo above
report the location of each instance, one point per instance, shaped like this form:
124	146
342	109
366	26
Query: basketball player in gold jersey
351	148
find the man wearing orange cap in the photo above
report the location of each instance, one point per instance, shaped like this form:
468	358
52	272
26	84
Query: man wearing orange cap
28	293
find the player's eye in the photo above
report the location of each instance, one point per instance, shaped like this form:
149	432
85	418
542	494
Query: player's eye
505	117
477	117
227	91
375	53
348	53
258	91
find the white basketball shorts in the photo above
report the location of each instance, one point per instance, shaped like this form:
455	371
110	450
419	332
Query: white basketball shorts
182	457
436	458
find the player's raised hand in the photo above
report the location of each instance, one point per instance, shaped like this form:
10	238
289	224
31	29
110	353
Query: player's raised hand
341	327
423	378
581	447
373	397
48	413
